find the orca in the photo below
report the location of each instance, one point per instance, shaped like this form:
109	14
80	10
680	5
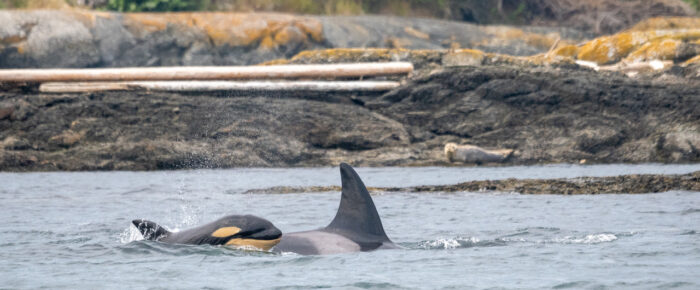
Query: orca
244	231
356	226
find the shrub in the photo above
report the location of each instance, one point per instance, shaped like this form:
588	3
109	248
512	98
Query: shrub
157	5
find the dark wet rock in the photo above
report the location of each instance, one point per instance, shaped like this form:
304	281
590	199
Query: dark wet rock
598	16
636	183
66	139
22	111
545	115
583	185
14	143
558	115
6	111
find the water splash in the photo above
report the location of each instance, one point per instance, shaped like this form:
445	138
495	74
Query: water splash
446	243
457	243
189	212
129	235
588	239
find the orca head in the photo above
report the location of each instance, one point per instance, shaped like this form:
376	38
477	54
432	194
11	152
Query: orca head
247	231
150	230
244	231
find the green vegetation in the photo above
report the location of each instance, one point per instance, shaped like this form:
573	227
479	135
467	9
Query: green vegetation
12	4
694	3
156	5
344	7
400	7
434	8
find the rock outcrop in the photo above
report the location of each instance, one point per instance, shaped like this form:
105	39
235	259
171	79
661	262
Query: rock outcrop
595	16
545	114
101	39
636	184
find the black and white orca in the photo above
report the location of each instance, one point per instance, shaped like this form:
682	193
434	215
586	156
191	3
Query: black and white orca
356	227
245	231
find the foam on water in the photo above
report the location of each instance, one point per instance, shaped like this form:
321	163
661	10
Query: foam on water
449	243
588	239
130	234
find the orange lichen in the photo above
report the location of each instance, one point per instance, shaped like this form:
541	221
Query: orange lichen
47	4
415	33
234	29
609	49
267	43
664	49
348	54
275	62
504	35
337	55
12	39
89	17
666	23
146	21
289	34
564	54
312	27
20	48
398	42
694	60
495	58
652	44
463	57
566	51
679	34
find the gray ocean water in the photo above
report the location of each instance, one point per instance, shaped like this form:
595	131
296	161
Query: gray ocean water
71	230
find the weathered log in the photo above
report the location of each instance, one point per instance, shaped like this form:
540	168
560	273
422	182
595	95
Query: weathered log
315	71
203	86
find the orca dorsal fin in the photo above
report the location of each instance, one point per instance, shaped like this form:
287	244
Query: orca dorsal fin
150	230
356	214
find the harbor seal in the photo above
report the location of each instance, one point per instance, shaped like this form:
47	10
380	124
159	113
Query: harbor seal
474	154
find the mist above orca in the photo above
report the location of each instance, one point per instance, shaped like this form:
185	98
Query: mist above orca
355	227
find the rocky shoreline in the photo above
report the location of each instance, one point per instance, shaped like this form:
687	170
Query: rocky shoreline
83	38
635	184
533	92
545	115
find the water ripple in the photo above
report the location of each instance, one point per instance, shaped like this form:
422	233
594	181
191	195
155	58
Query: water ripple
690	211
587	239
458	243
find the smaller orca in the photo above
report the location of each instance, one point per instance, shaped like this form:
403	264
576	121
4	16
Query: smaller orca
356	226
234	230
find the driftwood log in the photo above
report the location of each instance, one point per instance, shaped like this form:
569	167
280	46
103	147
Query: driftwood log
204	86
301	71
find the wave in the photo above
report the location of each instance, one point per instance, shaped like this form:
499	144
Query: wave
469	242
690	211
129	235
588	239
457	243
